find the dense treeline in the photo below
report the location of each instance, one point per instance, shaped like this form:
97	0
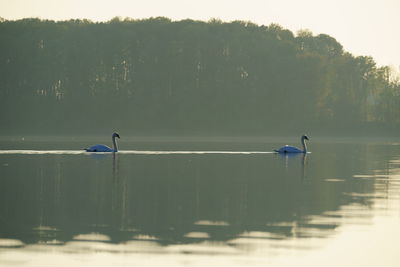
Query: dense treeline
157	76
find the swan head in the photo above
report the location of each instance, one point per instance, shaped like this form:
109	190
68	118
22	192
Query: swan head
305	137
115	135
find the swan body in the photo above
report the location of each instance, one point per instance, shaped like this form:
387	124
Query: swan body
293	149
104	148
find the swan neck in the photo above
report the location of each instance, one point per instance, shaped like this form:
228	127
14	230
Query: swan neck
115	146
303	142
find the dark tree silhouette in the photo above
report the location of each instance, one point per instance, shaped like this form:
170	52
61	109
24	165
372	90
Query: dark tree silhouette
167	77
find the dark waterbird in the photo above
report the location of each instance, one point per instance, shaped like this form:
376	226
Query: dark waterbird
293	149
104	148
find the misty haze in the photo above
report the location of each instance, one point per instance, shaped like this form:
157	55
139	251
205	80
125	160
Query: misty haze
163	143
160	77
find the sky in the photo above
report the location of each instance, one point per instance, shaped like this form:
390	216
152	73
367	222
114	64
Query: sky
363	27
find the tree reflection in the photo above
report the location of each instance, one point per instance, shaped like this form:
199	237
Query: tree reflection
168	198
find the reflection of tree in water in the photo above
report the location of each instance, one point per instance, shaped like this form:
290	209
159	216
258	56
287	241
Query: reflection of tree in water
174	198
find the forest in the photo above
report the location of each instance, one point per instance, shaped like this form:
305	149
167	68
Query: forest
161	77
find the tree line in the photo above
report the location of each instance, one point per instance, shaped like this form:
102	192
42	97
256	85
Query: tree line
157	76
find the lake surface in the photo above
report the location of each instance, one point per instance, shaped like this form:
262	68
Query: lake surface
193	202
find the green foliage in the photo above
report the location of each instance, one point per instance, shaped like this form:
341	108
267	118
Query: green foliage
160	76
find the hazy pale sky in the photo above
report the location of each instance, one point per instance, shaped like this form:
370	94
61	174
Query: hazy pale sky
363	27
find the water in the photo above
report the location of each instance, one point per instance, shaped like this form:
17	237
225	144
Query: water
172	202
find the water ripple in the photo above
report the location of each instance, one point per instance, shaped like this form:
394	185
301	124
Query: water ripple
142	152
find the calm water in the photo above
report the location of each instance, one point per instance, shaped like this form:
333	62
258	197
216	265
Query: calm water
170	203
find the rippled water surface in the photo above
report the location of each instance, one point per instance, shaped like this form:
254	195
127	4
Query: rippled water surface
230	202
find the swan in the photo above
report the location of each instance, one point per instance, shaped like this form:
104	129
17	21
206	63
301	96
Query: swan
292	149
104	148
